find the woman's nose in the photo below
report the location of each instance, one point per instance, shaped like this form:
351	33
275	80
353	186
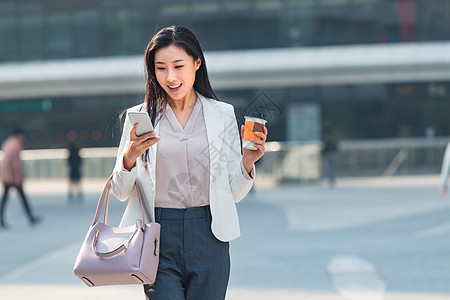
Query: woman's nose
171	77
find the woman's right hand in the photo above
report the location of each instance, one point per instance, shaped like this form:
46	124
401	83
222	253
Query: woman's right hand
137	147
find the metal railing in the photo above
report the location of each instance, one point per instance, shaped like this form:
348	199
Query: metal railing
282	162
52	163
389	157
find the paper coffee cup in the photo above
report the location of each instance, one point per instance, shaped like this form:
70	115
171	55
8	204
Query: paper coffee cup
254	122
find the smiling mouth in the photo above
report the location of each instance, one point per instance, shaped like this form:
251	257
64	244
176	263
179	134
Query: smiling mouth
174	88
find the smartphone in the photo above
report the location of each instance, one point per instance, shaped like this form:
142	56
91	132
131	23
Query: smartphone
143	120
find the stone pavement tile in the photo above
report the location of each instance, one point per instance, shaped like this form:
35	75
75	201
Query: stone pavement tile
274	294
68	292
72	292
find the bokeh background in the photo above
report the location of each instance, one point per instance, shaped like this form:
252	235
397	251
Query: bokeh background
372	70
365	80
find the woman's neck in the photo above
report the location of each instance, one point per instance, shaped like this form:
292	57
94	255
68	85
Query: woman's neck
183	104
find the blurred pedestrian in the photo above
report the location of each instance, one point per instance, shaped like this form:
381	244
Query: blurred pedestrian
445	170
329	149
198	138
12	175
74	161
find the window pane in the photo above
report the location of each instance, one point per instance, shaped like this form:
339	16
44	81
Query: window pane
205	8
298	25
8	44
7	8
375	92
433	20
59	39
232	6
87	34
144	27
30	37
114	32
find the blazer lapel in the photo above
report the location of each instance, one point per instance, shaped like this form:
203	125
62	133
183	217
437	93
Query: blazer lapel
215	129
152	154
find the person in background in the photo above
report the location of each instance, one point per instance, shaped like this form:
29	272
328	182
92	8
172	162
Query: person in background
328	151
12	175
445	170
74	160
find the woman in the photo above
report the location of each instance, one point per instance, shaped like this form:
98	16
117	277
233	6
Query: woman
190	169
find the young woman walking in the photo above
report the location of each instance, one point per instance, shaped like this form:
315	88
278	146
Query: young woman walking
192	173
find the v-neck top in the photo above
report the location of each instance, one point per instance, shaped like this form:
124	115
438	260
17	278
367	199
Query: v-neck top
182	166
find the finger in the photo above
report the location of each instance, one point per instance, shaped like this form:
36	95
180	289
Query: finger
133	131
258	145
265	132
262	135
242	130
140	145
260	148
150	142
147	136
259	142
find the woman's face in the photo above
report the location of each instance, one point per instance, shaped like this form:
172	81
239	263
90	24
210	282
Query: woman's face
175	71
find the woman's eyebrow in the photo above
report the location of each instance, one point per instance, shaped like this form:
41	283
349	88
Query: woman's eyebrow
162	63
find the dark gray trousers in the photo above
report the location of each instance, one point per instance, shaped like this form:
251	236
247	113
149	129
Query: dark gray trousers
193	263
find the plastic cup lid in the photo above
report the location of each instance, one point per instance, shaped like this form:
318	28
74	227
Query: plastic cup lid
255	114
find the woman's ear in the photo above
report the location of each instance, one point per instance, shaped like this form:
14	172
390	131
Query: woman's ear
197	63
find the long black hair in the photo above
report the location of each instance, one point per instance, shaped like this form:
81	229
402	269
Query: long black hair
155	96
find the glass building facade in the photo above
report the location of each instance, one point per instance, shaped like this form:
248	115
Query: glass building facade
41	30
52	29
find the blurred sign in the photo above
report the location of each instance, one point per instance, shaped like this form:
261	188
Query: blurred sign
437	90
404	90
44	105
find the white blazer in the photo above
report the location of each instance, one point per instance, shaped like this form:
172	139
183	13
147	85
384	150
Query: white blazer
227	183
445	170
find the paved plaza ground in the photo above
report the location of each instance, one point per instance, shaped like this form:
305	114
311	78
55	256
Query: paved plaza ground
367	238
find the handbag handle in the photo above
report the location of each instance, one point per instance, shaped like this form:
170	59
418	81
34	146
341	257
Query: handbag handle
119	249
104	198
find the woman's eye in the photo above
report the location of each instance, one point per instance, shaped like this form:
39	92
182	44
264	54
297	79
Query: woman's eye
160	68
177	67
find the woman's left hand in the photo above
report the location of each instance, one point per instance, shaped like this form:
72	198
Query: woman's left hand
249	157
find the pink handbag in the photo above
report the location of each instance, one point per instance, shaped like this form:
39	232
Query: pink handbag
119	255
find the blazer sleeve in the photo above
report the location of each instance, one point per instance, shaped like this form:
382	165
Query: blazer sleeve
445	167
123	180
239	183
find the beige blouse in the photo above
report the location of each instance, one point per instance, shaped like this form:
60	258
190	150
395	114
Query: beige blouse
182	165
